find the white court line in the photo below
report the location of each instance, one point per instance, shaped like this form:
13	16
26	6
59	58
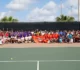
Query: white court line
37	65
40	61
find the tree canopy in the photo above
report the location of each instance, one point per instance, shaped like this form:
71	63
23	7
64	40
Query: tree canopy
9	19
64	18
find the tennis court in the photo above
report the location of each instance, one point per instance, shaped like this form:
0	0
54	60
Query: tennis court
40	59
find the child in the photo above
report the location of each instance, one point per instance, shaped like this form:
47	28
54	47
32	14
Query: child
60	39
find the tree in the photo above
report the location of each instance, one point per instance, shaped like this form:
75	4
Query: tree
9	19
64	18
4	19
15	20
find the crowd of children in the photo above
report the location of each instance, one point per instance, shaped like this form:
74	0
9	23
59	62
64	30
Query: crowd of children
40	36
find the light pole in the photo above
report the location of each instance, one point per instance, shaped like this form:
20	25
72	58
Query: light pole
78	11
61	7
71	10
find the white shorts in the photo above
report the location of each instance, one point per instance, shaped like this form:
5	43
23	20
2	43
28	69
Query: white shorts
30	37
71	40
19	40
12	36
26	38
22	39
0	41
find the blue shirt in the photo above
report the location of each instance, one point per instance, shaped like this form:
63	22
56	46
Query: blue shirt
61	33
70	36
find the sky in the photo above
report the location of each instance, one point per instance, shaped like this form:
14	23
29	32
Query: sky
38	10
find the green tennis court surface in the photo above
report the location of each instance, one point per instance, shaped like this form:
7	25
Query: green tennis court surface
40	59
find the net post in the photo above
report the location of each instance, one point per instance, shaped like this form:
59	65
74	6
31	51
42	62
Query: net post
37	65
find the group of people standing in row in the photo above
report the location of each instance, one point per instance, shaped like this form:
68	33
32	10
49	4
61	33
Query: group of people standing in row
40	36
